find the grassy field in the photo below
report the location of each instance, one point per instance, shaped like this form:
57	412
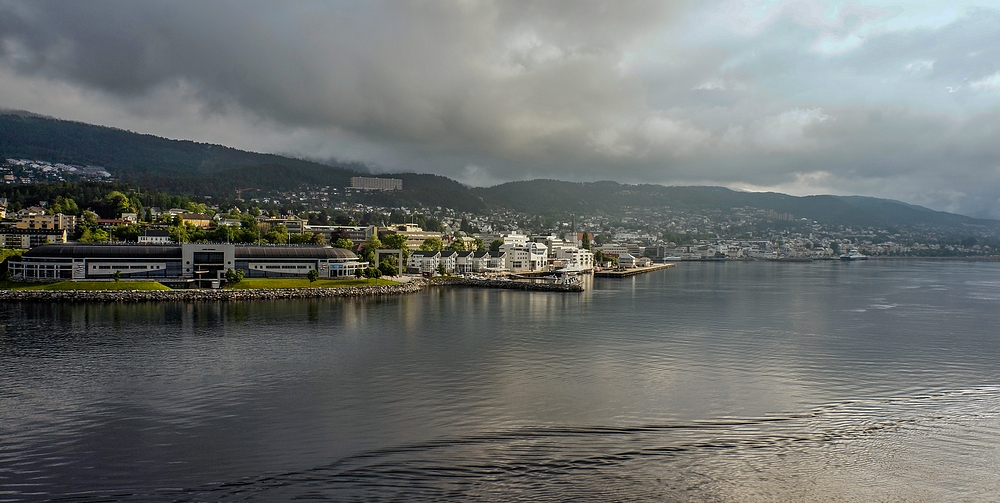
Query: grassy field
304	283
86	285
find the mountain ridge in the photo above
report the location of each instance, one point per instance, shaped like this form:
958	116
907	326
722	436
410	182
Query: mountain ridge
203	169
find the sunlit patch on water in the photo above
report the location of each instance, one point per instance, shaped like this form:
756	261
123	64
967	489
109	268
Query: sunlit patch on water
860	450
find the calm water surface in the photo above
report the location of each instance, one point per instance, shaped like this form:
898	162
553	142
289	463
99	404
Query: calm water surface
741	382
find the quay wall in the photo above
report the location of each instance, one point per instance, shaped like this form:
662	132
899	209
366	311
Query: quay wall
206	295
509	285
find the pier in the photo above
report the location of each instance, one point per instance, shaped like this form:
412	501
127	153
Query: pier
632	272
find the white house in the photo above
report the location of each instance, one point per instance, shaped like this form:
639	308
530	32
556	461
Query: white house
449	259
155	237
626	260
421	262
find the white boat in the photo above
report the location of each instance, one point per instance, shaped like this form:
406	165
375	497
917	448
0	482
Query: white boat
853	255
571	270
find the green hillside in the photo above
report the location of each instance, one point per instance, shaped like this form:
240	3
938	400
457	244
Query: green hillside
198	169
559	198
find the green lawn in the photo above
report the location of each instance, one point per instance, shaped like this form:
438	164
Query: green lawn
304	283
86	285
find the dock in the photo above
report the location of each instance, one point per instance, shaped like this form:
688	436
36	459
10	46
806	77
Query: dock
632	272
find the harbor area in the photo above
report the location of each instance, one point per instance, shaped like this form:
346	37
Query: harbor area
622	273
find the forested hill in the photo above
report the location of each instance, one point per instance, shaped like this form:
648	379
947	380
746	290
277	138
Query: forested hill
199	169
151	160
558	197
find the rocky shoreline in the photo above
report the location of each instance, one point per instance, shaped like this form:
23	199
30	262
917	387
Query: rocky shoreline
200	295
207	295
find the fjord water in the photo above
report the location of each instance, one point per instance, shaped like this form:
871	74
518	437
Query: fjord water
874	381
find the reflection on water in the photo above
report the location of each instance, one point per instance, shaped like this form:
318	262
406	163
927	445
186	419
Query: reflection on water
708	382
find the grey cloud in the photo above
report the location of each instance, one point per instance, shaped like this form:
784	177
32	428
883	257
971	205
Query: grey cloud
493	91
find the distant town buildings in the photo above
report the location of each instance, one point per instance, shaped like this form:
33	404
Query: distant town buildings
365	183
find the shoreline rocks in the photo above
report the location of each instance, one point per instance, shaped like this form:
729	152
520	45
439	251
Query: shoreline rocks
125	296
207	295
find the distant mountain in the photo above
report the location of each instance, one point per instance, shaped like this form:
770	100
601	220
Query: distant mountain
186	167
557	197
200	169
151	160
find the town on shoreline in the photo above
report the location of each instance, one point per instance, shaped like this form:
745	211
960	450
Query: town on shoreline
195	245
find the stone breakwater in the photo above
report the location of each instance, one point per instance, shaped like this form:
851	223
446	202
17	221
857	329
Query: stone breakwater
206	295
509	285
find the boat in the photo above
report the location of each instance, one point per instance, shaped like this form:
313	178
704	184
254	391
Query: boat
570	270
853	255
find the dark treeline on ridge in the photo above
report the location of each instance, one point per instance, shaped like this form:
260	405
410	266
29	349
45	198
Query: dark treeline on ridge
190	169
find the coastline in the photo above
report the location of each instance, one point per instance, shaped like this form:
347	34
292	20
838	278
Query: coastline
250	294
206	295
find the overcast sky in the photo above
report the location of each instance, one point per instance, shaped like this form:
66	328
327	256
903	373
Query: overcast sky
891	99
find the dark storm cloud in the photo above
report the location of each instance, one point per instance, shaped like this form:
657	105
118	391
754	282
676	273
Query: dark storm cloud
799	95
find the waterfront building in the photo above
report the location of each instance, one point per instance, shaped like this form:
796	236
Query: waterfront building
525	256
187	261
449	259
423	262
573	257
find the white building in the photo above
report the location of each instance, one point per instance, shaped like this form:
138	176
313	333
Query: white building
626	260
423	262
574	258
155	237
525	256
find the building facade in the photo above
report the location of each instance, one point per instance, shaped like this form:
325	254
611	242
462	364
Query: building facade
366	183
188	261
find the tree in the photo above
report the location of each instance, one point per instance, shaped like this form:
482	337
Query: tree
344	243
480	245
178	233
93	236
585	241
373	243
119	202
388	267
457	245
495	245
234	276
64	205
441	270
358	273
313	275
128	232
300	238
318	238
432	244
117	276
277	235
394	241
